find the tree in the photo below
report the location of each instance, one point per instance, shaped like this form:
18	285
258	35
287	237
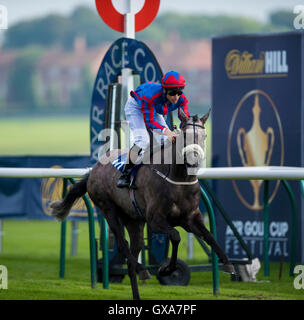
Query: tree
62	30
282	19
22	80
47	31
88	23
58	30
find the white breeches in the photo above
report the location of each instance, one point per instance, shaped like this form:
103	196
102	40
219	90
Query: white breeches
138	131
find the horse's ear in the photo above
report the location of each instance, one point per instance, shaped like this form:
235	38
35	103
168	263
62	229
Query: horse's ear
182	115
205	117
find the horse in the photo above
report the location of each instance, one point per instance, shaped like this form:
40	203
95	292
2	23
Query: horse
166	195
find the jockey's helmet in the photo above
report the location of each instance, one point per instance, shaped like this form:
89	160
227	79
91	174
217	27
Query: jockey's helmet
173	79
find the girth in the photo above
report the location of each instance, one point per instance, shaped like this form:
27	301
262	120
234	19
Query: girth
135	205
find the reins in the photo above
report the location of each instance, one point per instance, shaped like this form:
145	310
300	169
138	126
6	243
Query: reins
179	183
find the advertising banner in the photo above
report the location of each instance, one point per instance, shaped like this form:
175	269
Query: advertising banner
123	53
257	110
31	198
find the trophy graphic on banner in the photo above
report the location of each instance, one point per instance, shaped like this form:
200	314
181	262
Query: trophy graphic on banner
255	147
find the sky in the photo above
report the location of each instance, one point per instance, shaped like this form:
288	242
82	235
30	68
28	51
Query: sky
257	9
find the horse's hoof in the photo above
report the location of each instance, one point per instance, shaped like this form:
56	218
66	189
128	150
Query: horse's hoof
144	274
56	210
165	270
228	268
55	204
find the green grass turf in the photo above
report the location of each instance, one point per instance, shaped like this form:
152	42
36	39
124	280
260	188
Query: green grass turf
31	255
54	136
45	136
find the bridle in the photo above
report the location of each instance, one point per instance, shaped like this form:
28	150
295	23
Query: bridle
194	125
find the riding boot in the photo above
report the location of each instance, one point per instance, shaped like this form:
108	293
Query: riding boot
124	180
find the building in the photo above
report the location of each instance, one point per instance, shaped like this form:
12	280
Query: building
61	74
192	59
7	59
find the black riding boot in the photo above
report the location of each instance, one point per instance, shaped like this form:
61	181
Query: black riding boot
124	180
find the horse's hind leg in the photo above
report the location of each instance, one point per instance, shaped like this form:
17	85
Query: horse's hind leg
110	212
197	227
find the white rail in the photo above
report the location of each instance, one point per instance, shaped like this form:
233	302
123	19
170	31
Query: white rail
42	173
237	173
253	173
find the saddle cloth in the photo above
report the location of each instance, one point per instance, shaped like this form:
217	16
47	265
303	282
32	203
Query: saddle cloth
120	162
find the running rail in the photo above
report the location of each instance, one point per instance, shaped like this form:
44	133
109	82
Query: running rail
228	173
236	173
67	175
252	173
42	173
266	174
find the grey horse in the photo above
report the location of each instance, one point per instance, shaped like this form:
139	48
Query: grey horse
165	193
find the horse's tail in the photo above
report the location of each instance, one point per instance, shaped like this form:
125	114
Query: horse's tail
61	208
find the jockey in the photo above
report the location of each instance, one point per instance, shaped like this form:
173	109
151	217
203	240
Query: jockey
145	109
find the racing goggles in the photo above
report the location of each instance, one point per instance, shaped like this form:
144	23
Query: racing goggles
175	91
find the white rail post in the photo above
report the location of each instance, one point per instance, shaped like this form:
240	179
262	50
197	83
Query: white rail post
74	241
129	32
190	246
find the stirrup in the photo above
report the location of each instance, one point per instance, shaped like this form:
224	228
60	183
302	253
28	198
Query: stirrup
123	181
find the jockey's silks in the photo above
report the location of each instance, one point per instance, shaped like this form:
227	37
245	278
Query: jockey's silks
151	98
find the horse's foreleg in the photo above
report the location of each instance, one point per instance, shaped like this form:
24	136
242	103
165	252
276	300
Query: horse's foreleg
197	227
173	235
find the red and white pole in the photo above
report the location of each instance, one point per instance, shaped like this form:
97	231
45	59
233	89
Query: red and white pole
128	7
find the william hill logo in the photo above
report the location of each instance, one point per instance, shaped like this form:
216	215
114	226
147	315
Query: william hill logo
242	65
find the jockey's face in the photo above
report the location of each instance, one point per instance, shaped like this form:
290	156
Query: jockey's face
173	95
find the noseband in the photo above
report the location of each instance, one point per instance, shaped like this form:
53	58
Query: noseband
193	124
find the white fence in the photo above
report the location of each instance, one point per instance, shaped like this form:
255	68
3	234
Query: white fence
42	173
233	173
236	173
253	173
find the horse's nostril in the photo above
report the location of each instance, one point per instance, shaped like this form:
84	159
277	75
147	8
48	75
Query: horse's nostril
192	158
193	154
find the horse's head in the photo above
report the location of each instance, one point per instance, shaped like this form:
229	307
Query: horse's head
191	141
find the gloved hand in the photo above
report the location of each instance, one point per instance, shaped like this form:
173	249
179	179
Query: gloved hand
170	134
